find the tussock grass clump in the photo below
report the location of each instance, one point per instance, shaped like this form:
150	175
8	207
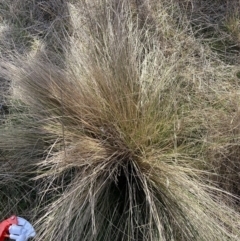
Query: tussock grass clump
124	140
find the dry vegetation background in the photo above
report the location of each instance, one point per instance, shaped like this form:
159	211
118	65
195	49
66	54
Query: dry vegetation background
120	119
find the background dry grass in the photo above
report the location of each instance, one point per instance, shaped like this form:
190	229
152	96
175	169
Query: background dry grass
128	129
217	24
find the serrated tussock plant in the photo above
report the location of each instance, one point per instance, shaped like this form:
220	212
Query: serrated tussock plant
118	140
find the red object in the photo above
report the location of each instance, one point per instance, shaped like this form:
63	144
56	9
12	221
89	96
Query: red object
4	227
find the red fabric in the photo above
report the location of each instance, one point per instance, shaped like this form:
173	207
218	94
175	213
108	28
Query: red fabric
4	227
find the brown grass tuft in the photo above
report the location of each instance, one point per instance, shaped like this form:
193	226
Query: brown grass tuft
126	140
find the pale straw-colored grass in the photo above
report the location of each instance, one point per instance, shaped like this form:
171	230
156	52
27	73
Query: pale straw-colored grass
124	142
